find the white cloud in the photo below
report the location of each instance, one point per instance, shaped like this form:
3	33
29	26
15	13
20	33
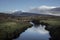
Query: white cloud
43	10
14	10
10	11
46	7
42	7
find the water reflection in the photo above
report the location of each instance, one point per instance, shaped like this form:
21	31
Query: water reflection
35	33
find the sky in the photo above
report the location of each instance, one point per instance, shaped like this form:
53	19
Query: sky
25	5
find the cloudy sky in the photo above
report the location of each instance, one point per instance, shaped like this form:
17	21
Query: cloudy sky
25	5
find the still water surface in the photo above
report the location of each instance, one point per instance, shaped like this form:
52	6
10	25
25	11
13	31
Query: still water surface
35	33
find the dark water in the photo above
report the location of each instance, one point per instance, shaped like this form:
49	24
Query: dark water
34	33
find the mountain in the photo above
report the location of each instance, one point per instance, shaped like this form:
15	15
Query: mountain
39	11
19	13
5	16
55	10
42	10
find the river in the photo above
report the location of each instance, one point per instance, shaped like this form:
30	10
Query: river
34	33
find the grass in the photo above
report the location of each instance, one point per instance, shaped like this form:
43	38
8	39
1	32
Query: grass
54	28
52	22
9	27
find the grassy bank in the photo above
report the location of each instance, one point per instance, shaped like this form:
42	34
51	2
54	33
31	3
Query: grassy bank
9	29
53	28
52	22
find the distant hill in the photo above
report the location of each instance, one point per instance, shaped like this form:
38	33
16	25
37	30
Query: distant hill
7	16
29	14
56	9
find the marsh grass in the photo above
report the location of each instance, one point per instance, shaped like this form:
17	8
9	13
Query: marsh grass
7	29
52	22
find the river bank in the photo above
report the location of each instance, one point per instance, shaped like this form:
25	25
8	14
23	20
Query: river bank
54	29
11	30
54	32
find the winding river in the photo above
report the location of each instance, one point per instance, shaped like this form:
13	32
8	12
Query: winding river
34	33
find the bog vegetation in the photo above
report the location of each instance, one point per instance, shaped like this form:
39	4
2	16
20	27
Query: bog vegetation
11	26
